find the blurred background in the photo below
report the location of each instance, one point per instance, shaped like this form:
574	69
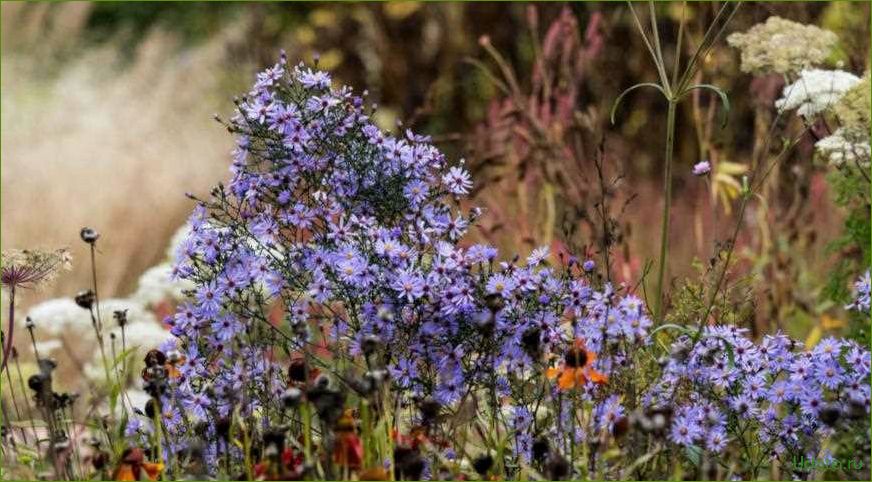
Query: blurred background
107	122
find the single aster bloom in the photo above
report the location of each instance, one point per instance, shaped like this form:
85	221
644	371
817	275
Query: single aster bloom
576	369
702	168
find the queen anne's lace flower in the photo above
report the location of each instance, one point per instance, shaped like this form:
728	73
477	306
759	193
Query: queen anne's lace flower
838	149
816	91
782	46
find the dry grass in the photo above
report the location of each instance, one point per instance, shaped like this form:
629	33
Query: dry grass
90	143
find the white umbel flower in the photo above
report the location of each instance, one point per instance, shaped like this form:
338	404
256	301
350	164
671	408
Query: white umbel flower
62	315
838	149
157	285
816	91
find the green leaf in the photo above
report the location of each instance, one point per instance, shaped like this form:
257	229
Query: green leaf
624	93
725	100
672	326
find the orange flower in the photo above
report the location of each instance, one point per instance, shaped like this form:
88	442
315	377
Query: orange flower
348	450
576	368
133	465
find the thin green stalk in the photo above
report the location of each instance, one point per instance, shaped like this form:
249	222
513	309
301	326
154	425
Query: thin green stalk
667	201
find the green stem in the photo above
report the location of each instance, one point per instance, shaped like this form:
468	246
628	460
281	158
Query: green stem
667	201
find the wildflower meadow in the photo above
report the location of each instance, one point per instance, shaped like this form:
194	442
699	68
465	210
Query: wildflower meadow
363	296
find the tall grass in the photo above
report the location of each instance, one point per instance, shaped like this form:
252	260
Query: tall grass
94	138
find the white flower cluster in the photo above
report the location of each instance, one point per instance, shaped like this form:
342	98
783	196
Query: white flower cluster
839	149
816	91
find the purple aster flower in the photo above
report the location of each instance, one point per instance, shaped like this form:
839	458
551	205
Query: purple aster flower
409	285
521	418
197	405
448	392
457	181
811	401
702	168
500	284
523	447
829	374
685	431
310	79
716	440
862	296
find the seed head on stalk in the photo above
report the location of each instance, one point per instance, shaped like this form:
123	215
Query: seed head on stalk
28	269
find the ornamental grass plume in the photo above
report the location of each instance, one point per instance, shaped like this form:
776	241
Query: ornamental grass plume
783	47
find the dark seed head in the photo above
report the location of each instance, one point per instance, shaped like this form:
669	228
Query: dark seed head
85	299
89	236
222	427
408	464
275	438
155	358
370	344
36	382
99	460
531	341
830	414
576	357
297	371
622	426
151	408
856	409
28	323
483	464
120	317
494	302
557	467
429	409
541	448
292	397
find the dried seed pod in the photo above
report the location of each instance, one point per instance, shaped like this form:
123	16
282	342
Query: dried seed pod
120	317
370	344
85	299
830	413
292	397
297	371
483	464
408	464
429	408
89	235
541	448
155	358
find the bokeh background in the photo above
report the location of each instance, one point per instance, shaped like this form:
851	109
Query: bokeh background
107	121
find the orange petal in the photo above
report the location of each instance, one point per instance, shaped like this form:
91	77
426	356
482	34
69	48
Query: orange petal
152	470
567	379
551	373
124	472
597	377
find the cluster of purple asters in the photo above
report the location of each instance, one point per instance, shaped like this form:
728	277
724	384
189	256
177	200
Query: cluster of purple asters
334	239
773	396
353	236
